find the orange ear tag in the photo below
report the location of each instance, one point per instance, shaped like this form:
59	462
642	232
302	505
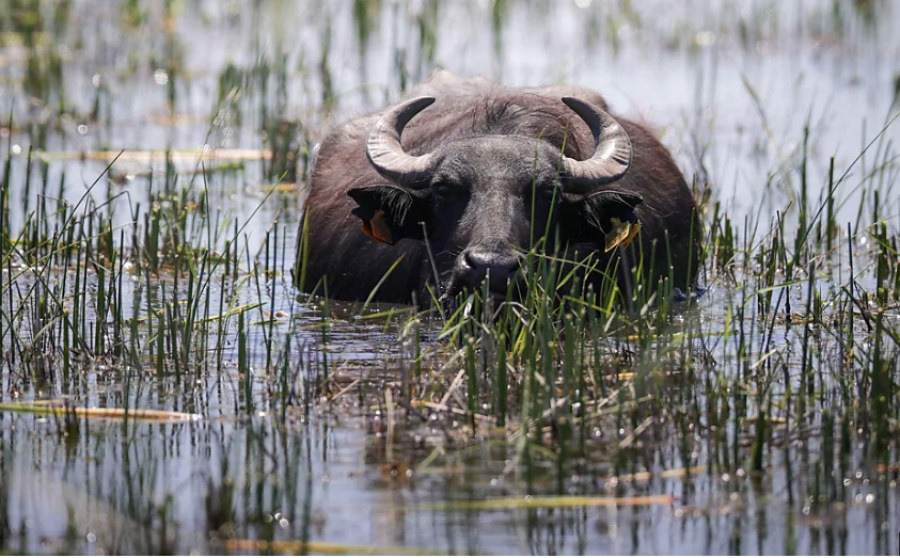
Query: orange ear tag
378	228
635	229
617	235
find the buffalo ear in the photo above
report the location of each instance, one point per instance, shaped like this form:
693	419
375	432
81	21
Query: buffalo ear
600	208
388	213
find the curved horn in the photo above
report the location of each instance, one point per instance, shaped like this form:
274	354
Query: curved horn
612	151
385	152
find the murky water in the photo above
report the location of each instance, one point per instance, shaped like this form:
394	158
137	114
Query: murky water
730	87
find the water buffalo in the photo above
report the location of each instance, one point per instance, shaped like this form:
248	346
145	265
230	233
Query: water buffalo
474	173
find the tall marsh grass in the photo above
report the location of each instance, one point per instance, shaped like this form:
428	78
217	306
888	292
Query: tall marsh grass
162	287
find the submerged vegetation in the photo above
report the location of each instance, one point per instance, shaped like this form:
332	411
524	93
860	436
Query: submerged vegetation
165	388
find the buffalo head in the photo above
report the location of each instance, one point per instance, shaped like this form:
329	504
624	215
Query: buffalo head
481	201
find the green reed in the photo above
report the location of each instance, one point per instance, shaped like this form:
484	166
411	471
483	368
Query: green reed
794	348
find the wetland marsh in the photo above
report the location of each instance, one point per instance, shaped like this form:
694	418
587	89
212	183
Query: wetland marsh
164	387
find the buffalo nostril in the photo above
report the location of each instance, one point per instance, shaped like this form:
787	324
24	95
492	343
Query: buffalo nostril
472	261
502	267
499	267
508	264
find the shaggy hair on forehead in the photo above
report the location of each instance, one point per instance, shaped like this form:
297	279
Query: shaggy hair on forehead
507	117
525	115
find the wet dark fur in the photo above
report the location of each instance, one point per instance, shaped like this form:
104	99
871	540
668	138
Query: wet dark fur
354	263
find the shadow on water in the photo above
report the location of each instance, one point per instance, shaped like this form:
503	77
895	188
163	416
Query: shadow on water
166	389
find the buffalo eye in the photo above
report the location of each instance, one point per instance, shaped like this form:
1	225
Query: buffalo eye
547	193
441	189
444	191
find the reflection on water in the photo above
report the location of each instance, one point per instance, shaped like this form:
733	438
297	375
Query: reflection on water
729	86
193	487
